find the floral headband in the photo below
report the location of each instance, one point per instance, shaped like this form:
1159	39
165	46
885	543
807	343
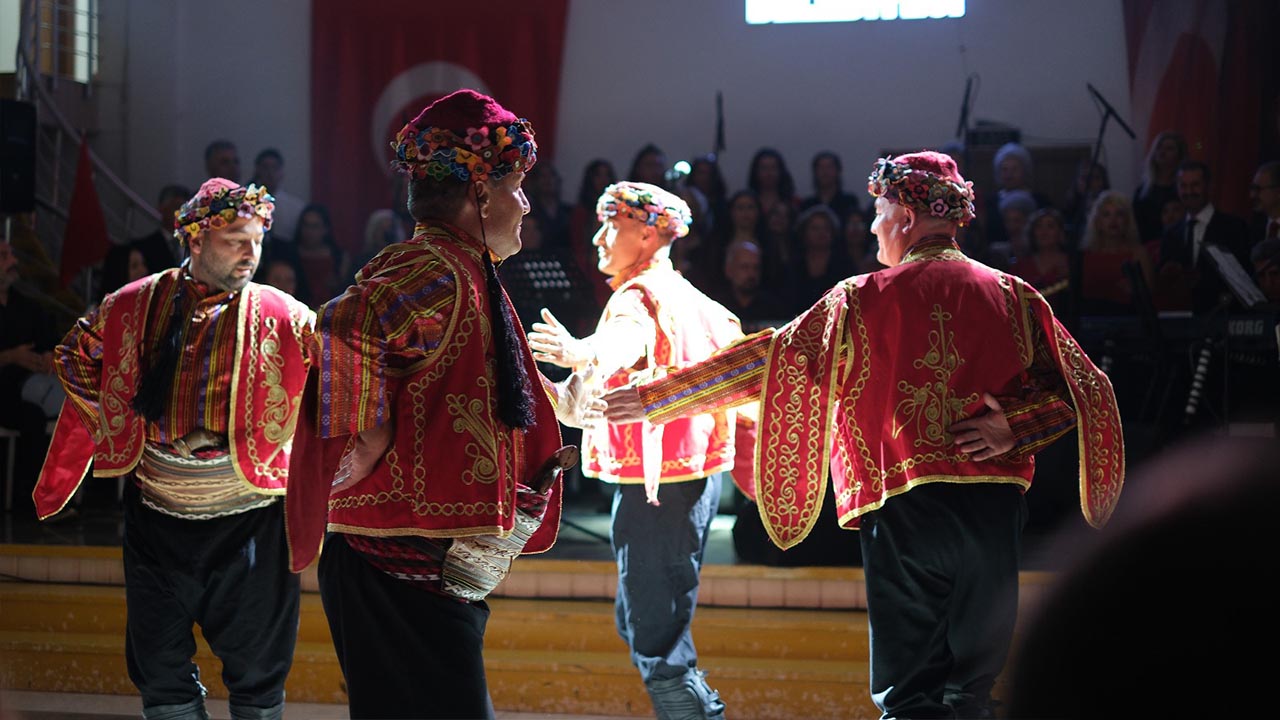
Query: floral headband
218	204
647	203
482	153
939	196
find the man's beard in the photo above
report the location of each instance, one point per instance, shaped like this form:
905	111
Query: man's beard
231	282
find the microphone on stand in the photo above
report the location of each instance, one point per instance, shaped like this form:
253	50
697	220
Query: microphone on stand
963	124
1109	109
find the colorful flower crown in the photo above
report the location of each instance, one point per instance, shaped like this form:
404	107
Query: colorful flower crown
647	203
218	204
482	153
926	192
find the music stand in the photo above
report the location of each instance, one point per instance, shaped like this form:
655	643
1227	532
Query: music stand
1149	320
1235	277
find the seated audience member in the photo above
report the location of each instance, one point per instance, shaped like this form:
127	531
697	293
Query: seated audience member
1189	278
649	166
279	273
688	255
1114	632
1171	214
1264	196
542	187
129	262
744	222
1047	264
1090	182
583	224
222	159
860	245
380	230
742	293
268	171
318	257
1016	207
1110	243
30	394
1266	268
711	194
1013	170
778	229
770	180
1159	183
819	260
150	253
828	186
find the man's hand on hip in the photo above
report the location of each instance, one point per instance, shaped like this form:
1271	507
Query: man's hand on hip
984	436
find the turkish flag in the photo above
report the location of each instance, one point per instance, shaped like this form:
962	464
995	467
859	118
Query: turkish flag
1196	67
375	65
86	241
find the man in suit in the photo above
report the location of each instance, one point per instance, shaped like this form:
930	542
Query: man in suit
1264	195
1183	257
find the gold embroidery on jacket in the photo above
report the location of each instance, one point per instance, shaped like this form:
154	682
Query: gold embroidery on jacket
1094	400
932	407
466	321
116	417
800	405
279	416
472	416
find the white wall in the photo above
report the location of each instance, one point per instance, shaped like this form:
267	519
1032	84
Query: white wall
10	21
196	71
640	72
636	72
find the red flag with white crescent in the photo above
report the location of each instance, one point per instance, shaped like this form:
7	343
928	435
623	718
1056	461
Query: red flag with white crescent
374	65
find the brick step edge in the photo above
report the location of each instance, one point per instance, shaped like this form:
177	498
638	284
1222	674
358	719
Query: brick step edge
535	625
530	681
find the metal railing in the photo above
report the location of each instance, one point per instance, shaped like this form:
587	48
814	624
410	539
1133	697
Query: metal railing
58	140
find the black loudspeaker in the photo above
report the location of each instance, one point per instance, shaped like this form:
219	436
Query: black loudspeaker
17	156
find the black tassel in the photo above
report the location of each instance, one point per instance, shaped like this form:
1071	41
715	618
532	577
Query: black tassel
152	398
515	397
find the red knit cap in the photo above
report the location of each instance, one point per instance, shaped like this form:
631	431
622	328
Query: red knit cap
465	135
928	181
464	109
939	164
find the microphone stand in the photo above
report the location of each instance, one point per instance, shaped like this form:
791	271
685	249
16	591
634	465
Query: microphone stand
719	139
1108	113
962	127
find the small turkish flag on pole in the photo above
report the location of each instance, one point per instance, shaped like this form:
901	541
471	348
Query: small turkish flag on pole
86	241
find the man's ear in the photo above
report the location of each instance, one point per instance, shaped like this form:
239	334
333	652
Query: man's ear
195	244
909	214
480	190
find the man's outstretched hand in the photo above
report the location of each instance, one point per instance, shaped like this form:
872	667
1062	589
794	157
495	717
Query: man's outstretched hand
624	405
983	436
579	403
551	342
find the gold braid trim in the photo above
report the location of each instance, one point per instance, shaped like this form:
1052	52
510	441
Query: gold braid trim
793	453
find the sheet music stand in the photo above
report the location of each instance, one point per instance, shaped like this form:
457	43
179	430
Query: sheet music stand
539	279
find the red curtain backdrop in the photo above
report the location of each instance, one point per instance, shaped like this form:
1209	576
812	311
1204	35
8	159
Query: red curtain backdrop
1207	69
86	241
374	65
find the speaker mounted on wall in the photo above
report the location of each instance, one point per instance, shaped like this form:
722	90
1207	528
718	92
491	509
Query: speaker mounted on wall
17	156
